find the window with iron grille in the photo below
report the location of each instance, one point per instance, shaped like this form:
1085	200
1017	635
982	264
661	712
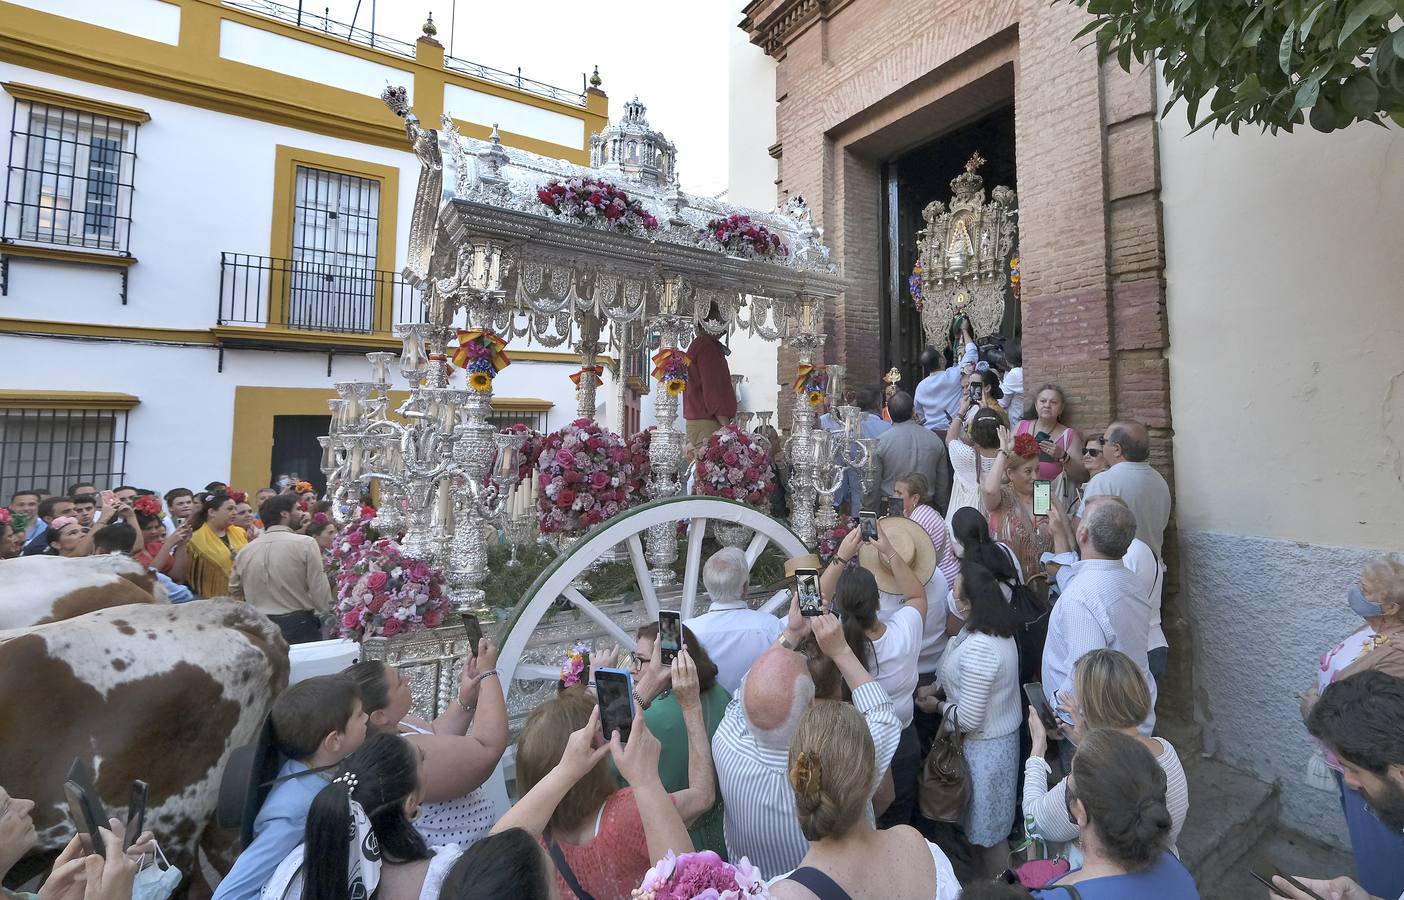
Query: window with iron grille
53	448
501	418
69	179
336	231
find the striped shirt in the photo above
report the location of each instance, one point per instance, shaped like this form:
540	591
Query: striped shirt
932	523
981	676
1104	606
761	823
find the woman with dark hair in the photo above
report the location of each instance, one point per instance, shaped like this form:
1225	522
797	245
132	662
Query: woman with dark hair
972	454
166	553
214	540
971	543
66	538
372	801
321	529
990	391
508	863
980	676
456	809
664	715
889	648
1116	794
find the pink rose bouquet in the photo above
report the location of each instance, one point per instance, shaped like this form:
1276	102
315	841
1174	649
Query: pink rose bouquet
379	590
829	541
739	236
586	476
638	444
592	201
735	465
693	876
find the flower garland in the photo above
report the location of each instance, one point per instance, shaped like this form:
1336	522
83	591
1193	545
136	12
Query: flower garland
482	353
592	201
531	448
829	541
691	876
638	444
914	285
739	236
812	383
1014	276
379	590
586	476
670	366
574	669
734	465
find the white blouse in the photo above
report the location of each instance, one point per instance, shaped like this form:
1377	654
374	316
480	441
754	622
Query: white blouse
896	654
981	676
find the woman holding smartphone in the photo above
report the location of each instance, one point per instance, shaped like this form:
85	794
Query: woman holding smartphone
1017	518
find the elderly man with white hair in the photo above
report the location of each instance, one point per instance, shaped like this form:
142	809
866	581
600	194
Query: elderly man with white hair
1106	605
751	746
732	633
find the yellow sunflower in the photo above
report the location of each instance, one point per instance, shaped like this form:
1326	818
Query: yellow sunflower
676	386
815	398
480	381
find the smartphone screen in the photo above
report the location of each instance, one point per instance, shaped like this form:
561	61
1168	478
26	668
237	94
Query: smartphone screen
473	631
894	507
1043	497
811	602
85	817
1034	692
669	635
977	392
614	690
136	813
867	524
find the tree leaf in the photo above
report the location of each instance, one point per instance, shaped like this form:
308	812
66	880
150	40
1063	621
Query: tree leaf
1252	34
1398	46
1323	116
1362	10
1307	93
1284	51
1361	96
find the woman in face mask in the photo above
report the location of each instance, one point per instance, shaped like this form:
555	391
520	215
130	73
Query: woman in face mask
1378	598
971	543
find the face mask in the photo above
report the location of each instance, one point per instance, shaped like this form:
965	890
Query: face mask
1361	605
154	882
957	549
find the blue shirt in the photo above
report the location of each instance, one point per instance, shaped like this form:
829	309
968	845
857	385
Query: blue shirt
850	492
937	396
278	829
1166	879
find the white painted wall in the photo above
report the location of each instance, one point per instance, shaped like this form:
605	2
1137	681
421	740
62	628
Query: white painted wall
1287	386
278	53
514	116
150	19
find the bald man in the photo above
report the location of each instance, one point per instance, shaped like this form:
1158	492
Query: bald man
751	746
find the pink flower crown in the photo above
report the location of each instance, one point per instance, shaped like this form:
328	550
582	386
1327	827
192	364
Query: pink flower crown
576	665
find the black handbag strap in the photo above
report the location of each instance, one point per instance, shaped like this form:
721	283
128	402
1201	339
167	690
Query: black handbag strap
818	884
563	867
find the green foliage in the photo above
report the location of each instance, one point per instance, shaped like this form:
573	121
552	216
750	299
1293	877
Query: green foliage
1272	63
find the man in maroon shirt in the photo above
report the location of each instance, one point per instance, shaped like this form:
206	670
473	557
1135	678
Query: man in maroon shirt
710	401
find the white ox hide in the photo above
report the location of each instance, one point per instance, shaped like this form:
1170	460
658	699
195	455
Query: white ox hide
157	692
38	589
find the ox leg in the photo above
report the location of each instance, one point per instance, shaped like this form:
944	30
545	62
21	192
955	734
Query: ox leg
218	848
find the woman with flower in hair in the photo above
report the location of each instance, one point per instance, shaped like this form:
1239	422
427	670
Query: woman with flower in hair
214	541
321	529
160	551
1008	491
12	527
833	772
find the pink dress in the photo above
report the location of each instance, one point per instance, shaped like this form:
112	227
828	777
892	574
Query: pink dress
1047	471
615	860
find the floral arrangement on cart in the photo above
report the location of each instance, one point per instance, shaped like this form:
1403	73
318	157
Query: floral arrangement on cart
594	201
735	465
739	236
586	475
379	590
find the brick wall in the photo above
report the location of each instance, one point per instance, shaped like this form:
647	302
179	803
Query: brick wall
859	81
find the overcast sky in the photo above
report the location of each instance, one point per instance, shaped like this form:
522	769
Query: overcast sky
673	55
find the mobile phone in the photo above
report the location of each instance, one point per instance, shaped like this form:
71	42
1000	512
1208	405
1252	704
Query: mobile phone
1043	496
136	813
977	392
614	690
894	507
86	818
669	635
1034	692
867	524
811	601
1266	874
473	631
108	496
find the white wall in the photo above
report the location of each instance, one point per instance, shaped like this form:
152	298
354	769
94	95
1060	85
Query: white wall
151	19
1287	386
300	59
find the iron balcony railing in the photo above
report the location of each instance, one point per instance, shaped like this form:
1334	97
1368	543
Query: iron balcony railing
306	18
323	296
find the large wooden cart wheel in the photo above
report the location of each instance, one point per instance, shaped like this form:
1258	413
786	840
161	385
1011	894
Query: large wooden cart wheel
519	675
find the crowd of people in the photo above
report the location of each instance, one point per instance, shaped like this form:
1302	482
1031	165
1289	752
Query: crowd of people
1006	605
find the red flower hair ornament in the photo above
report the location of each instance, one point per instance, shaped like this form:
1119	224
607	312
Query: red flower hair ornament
1025	446
147	505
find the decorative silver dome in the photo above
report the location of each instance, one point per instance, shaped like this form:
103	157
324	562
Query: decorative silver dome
634	150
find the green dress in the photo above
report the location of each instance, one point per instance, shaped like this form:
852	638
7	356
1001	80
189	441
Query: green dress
665	719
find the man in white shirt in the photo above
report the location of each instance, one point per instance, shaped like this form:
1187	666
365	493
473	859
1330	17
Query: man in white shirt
937	398
751	746
1104	606
732	633
1125	450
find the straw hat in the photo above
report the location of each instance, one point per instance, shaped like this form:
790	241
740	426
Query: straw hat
806	561
910	542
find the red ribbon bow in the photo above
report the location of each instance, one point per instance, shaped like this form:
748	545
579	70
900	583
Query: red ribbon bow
598	370
669	358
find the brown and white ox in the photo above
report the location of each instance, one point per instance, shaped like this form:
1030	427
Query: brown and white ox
35	590
157	692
